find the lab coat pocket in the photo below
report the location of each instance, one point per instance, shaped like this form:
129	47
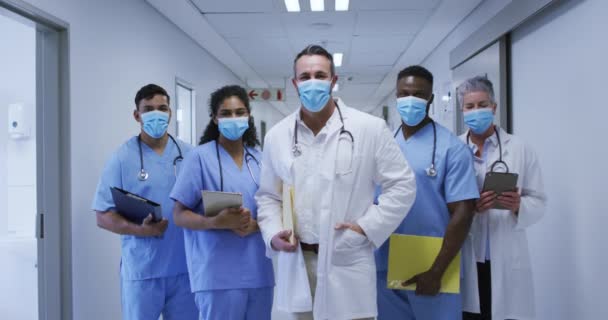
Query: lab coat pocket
520	258
350	248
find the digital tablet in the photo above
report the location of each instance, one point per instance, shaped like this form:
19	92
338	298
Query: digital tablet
500	182
216	201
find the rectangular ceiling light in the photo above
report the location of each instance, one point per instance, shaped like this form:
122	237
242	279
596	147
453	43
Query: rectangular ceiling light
292	5
338	59
317	5
342	5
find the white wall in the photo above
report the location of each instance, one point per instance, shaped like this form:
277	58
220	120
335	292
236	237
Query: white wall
438	63
559	82
17	157
265	112
115	48
18	254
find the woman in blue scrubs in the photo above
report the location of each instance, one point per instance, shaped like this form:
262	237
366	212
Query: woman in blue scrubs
229	273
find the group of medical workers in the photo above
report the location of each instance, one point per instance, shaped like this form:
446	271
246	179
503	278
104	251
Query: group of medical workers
355	183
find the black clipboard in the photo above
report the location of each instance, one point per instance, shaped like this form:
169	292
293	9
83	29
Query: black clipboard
499	182
135	208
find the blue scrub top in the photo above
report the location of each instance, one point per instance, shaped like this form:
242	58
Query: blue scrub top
220	259
146	257
455	181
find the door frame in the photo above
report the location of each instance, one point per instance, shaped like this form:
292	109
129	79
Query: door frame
179	82
53	221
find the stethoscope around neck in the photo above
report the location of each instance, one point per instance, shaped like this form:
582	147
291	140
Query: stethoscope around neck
431	171
297	149
499	161
143	174
248	156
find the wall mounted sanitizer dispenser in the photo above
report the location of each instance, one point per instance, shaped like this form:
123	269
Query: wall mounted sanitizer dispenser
18	122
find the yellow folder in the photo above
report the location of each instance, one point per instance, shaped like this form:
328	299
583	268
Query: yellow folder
410	255
288	216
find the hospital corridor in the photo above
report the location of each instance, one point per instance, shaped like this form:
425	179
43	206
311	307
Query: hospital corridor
303	159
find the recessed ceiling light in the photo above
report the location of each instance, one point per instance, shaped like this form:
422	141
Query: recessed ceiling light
292	5
342	5
317	5
338	59
321	25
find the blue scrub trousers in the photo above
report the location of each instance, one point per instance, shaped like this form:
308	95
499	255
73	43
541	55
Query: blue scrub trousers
235	304
406	305
147	299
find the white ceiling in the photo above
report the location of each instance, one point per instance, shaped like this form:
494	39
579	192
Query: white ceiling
374	35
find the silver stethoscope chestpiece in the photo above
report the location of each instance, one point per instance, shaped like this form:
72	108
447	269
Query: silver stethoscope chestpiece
296	150
143	175
431	172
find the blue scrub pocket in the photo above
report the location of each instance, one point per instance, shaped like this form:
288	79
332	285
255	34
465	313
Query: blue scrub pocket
136	256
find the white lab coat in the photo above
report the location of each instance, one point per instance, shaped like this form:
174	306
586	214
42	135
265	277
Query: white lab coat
511	275
346	270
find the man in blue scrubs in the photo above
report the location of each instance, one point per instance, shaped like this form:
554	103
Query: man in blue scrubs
231	277
153	273
445	180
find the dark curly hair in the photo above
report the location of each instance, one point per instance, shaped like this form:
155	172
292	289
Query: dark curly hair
212	131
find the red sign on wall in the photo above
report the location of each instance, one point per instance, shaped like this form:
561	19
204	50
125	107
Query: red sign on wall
266	94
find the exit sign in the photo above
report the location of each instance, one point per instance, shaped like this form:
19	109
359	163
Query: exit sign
267	94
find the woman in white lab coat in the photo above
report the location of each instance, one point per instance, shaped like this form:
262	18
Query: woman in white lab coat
499	235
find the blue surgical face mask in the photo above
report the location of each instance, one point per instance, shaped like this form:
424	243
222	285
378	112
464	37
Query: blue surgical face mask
412	110
233	128
155	123
314	94
480	120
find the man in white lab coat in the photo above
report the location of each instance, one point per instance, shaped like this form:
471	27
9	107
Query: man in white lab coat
332	156
499	235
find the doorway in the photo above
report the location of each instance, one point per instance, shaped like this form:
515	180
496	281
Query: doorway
34	160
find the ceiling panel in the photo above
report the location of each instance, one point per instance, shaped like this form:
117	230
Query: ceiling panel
341	44
386	43
320	24
393	4
268	56
243	25
378	50
390	22
359	78
369	70
384	57
232	6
